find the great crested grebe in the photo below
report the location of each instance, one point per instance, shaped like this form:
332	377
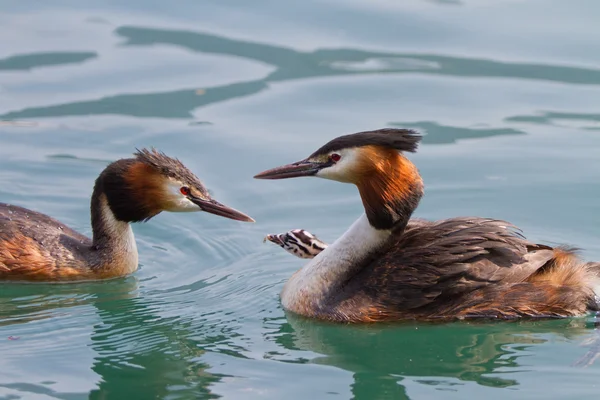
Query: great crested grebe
385	267
35	247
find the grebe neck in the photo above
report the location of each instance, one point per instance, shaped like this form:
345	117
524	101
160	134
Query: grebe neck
307	291
390	187
113	242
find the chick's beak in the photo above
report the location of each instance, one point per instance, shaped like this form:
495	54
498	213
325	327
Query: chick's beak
214	207
274	239
297	169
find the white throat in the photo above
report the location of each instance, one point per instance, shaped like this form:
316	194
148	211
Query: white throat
122	242
306	290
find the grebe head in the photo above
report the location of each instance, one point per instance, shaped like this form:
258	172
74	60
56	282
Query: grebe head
298	242
389	184
349	158
139	188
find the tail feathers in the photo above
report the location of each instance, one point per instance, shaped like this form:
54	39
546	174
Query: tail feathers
564	287
566	270
594	267
528	299
594	270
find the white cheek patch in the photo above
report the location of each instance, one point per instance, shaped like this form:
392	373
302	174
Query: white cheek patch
332	172
185	205
342	170
178	202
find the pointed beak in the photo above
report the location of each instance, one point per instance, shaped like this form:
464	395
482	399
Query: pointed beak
274	239
300	168
214	207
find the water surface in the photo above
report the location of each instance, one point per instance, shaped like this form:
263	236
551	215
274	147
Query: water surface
507	92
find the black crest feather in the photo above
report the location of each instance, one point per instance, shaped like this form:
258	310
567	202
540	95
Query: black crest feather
168	166
399	139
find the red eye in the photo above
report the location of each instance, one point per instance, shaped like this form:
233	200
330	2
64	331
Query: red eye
335	157
185	190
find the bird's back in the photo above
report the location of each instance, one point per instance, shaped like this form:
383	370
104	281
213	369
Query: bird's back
34	246
465	267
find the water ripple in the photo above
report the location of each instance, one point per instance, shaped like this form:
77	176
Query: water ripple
37	60
290	65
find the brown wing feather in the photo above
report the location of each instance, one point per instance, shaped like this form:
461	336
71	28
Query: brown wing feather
526	299
460	267
34	246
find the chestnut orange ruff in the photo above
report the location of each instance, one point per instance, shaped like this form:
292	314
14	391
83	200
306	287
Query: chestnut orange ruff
388	266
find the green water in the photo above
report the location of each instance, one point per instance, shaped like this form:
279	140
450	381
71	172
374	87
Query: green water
507	91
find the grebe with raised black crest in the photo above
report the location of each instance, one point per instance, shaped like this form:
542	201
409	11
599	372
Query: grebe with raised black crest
388	267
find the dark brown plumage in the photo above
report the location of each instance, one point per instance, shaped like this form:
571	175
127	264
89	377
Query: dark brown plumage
465	268
170	167
36	247
399	268
390	138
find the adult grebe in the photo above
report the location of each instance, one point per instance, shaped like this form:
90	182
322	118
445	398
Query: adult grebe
35	247
386	268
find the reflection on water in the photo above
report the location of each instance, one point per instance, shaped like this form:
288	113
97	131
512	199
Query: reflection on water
549	118
290	64
126	340
442	134
37	60
380	356
21	303
201	318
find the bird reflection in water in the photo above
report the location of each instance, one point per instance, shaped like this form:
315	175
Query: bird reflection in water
381	356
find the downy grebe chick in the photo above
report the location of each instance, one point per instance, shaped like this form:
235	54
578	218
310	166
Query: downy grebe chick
386	268
35	247
298	242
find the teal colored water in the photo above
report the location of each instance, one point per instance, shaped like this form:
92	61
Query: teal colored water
507	91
